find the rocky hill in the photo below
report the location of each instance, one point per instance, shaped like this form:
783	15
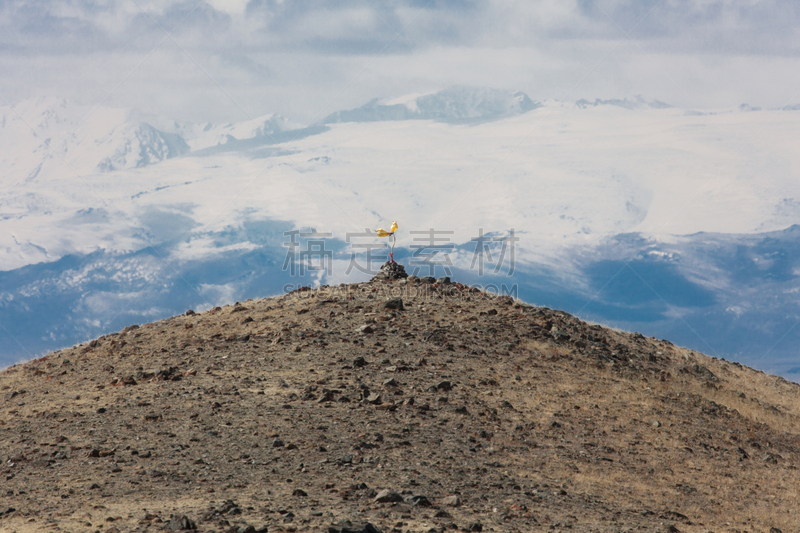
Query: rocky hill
393	406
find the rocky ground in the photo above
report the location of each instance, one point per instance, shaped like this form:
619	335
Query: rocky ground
398	405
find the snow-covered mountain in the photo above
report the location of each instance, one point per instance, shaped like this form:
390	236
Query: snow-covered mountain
43	135
673	222
455	105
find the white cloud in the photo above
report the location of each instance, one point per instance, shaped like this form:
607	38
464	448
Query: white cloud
230	59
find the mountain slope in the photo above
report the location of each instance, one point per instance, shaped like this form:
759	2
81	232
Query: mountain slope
294	413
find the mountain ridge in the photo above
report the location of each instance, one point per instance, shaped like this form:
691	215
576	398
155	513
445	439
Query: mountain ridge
395	406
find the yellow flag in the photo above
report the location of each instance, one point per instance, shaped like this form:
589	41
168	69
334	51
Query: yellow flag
384	233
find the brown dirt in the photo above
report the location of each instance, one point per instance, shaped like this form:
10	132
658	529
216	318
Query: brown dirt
536	420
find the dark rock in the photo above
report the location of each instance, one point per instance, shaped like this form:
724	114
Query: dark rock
278	443
476	526
100	453
229	507
427	279
391	271
395	303
300	493
181	523
359	361
444	280
388	496
366	328
346	526
444	385
327	396
419	501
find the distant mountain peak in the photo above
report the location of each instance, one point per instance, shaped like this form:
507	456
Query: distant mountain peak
453	105
635	102
90	139
144	145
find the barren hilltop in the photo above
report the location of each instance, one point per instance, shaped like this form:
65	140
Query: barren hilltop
393	406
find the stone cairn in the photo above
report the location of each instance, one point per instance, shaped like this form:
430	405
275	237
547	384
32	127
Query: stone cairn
391	271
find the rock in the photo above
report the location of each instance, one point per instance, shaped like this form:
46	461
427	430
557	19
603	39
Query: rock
419	501
278	443
444	385
388	496
451	501
366	328
391	383
655	424
391	271
300	493
427	279
374	398
181	523
327	396
475	526
346	526
444	280
395	303
359	361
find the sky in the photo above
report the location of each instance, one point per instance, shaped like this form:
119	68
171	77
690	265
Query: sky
234	60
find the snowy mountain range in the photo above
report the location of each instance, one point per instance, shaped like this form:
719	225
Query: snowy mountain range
676	223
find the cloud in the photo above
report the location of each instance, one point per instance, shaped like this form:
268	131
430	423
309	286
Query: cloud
366	27
305	57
